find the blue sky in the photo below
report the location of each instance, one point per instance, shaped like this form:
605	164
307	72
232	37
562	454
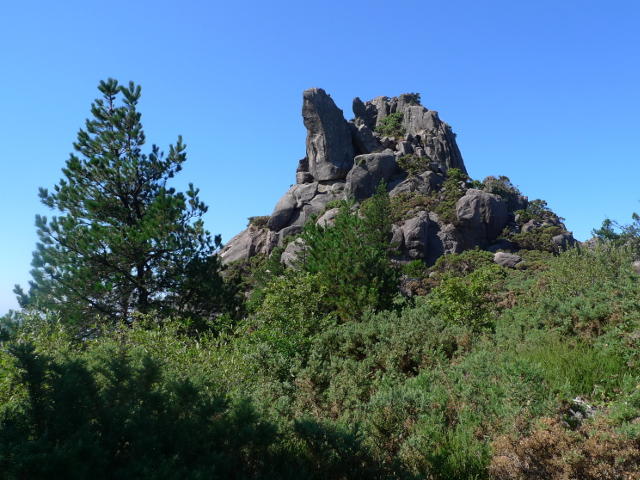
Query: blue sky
545	92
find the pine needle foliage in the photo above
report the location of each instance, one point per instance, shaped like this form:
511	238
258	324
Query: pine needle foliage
351	259
123	240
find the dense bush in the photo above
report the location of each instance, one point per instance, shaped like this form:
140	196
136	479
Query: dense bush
453	188
391	125
503	187
413	164
351	259
452	386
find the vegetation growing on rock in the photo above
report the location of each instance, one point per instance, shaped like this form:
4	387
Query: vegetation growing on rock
352	359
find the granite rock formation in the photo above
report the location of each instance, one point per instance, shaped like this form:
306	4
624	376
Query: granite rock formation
348	159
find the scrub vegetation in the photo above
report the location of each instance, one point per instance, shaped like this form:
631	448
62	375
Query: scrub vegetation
325	370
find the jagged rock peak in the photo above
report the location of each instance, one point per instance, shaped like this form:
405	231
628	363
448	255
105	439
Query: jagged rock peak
329	146
423	133
347	160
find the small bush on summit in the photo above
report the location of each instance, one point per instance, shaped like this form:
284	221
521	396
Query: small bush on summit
537	210
503	187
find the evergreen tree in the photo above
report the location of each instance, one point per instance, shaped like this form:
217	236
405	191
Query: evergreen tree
124	242
351	259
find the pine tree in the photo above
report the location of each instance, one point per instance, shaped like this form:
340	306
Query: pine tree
123	241
351	259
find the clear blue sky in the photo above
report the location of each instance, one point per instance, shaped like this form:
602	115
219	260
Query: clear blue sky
545	92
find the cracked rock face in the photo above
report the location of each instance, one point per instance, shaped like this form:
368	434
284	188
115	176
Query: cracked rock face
482	214
347	161
329	145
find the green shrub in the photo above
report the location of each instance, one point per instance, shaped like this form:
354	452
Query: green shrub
391	125
539	238
406	203
573	367
537	210
453	188
503	187
259	221
413	164
465	299
351	258
415	268
461	264
116	417
292	310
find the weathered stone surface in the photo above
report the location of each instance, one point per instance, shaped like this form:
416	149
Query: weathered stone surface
283	211
367	112
636	266
509	260
426	134
482	215
327	219
424	184
329	146
287	232
397	236
405	148
444	239
291	255
249	242
563	240
363	139
302	172
367	172
415	233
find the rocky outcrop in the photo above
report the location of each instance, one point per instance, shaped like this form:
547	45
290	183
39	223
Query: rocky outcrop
424	135
329	145
412	236
348	160
482	215
367	173
509	260
563	240
249	242
425	183
303	201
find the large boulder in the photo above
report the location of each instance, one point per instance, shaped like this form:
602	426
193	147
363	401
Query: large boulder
301	202
329	146
327	219
481	215
249	242
444	239
424	183
283	211
563	240
367	172
415	235
509	260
